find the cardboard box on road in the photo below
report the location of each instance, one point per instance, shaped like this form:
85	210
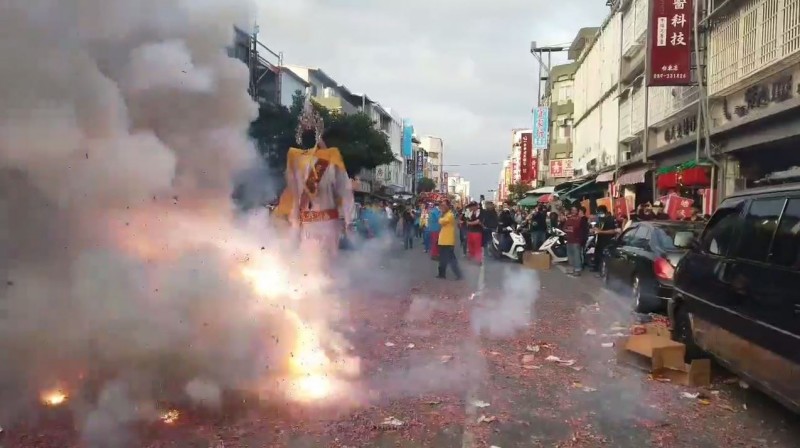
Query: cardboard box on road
536	260
666	356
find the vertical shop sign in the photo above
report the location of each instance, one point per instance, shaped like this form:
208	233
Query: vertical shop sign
420	164
541	127
670	49
526	154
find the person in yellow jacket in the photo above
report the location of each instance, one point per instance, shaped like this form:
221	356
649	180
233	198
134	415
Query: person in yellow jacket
447	241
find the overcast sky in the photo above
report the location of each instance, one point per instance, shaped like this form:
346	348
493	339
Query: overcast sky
459	69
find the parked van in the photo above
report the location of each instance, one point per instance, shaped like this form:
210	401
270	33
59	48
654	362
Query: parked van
737	290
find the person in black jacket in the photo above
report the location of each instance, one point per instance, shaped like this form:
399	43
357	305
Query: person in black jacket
538	220
506	220
490	221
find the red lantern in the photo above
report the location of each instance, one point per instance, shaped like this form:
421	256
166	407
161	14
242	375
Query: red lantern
694	177
667	181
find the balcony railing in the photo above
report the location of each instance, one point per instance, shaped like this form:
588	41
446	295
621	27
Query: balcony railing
664	102
637	111
750	39
634	22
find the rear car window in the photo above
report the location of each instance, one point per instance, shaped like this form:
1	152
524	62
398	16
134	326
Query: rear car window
760	224
786	244
720	233
671	238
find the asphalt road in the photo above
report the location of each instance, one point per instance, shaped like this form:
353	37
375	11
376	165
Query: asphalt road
466	364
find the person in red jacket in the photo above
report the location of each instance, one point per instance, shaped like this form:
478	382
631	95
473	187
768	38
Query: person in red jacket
574	228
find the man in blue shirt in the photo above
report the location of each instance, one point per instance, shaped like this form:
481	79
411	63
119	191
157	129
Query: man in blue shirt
433	230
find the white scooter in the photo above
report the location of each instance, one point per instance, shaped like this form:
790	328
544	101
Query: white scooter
517	245
556	246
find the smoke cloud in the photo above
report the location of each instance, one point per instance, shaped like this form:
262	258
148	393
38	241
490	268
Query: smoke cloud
512	309
122	127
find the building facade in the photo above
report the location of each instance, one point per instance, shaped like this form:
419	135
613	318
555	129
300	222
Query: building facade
458	187
434	146
555	163
596	114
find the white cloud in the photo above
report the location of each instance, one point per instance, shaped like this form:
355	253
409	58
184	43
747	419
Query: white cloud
458	69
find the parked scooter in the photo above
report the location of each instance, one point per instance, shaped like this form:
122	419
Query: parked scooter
556	245
589	249
517	244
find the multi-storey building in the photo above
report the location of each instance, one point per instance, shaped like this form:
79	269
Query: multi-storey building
435	150
753	69
458	187
555	163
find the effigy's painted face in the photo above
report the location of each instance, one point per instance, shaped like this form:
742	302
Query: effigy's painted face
308	139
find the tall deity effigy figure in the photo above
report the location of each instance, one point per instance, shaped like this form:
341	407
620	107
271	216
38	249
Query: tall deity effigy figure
318	199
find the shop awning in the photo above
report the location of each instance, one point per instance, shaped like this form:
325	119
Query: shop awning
542	190
581	188
632	177
529	201
605	177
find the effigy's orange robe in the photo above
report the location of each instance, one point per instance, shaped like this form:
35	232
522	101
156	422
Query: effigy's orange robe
318	197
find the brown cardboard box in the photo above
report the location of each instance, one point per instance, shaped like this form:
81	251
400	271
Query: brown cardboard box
536	260
666	357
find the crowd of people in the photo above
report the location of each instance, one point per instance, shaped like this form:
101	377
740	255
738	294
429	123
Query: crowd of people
443	228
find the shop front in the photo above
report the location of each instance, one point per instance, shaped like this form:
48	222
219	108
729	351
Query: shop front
635	184
757	131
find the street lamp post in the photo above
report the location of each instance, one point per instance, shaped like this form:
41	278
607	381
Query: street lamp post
537	52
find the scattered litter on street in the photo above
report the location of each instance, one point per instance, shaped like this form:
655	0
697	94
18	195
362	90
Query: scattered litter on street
485	419
607	344
591	332
389	344
480	404
390	423
410	346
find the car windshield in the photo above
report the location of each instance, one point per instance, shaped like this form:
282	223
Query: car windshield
675	237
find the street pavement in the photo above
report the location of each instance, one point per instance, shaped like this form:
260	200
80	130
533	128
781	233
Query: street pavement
470	364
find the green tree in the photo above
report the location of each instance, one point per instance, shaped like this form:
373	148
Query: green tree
425	185
362	146
517	191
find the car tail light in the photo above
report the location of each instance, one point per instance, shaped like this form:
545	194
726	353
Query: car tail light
663	269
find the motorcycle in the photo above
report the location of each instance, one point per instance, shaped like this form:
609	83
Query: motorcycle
589	248
556	245
517	244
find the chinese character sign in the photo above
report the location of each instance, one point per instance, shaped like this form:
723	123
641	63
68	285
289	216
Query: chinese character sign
420	164
670	43
561	168
541	127
525	155
533	169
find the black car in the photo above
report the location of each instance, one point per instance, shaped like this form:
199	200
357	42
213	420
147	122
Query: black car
642	260
736	291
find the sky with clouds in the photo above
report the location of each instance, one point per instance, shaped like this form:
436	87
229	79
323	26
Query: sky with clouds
459	69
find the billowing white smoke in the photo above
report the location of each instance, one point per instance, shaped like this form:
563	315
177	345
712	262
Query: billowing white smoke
512	310
121	125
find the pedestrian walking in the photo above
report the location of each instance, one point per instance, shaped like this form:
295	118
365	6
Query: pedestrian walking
538	227
605	230
573	227
433	230
447	241
474	233
490	222
408	228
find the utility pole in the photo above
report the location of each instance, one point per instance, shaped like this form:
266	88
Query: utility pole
538	52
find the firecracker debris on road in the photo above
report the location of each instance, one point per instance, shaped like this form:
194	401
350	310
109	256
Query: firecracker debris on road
463	364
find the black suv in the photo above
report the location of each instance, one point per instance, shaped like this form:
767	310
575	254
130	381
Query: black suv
736	291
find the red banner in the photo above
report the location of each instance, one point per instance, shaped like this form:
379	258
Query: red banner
670	43
525	155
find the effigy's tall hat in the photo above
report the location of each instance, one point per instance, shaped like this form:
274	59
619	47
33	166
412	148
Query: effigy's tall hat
310	120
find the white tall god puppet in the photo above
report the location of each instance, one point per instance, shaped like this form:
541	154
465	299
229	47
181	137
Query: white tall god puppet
318	199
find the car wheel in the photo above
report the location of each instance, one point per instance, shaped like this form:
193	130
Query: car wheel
682	332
